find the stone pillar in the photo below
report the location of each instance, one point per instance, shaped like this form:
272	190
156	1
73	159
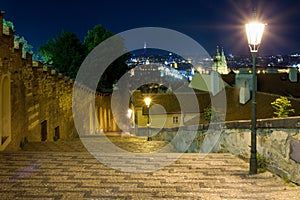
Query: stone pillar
115	127
244	94
5	112
105	120
91	113
101	118
214	82
109	120
293	75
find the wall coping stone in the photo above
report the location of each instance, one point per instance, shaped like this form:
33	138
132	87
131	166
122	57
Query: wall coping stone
289	122
286	123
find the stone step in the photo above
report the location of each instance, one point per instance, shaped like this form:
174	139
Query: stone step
128	143
78	175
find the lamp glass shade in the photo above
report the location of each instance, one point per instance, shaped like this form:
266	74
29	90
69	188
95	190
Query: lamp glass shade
147	101
254	32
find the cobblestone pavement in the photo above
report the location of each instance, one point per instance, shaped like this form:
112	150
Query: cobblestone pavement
131	144
65	170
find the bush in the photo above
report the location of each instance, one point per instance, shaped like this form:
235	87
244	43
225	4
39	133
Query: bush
286	180
211	114
282	106
261	163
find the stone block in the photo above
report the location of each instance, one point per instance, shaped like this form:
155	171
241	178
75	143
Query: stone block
53	72
244	94
36	63
6	30
293	75
295	150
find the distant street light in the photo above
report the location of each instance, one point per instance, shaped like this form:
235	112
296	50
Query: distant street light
254	32
129	113
148	102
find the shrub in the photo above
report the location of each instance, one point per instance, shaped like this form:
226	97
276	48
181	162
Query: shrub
212	114
282	107
261	163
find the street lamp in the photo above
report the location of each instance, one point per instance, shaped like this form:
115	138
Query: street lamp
129	113
148	102
254	32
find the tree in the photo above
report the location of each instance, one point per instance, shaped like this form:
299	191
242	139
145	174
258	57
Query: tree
9	24
64	53
95	36
115	70
113	73
282	107
212	114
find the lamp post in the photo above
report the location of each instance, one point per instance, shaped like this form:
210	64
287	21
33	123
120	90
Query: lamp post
148	102
254	32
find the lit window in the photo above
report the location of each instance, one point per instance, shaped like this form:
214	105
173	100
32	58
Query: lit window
175	120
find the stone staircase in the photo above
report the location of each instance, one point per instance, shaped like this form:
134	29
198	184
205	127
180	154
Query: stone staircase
125	142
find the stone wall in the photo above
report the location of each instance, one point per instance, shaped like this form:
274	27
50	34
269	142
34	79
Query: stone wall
36	101
278	140
188	140
92	111
40	99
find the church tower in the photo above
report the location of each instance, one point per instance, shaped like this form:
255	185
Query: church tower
219	62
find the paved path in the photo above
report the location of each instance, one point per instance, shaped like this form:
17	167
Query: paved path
64	170
128	143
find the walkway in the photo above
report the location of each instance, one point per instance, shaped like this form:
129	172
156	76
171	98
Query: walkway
64	170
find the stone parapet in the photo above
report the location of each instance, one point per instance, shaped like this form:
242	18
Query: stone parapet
274	144
278	141
290	122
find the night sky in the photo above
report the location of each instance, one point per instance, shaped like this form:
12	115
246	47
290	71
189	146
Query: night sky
211	22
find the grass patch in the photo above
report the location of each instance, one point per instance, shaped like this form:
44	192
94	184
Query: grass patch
261	163
286	180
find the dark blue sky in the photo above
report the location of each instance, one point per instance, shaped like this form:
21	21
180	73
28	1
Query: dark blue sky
210	22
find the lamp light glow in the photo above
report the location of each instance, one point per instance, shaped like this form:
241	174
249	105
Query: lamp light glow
129	113
147	101
254	32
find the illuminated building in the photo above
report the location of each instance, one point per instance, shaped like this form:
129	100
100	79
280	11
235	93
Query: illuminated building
219	62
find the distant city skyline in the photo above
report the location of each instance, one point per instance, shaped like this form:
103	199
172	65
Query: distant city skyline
210	23
140	57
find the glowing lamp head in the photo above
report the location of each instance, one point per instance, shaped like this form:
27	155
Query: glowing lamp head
129	113
254	32
147	101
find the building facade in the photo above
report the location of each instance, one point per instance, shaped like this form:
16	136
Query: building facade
220	63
